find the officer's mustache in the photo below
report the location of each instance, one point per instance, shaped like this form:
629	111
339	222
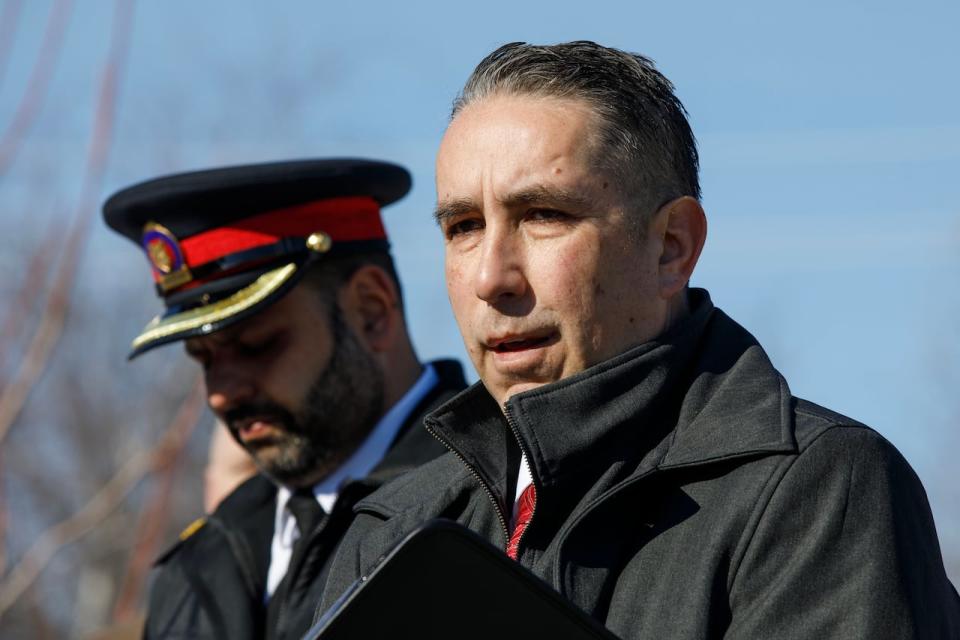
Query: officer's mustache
266	411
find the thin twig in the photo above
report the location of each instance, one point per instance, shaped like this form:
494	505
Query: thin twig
40	78
37	272
8	26
106	500
149	530
53	318
4	521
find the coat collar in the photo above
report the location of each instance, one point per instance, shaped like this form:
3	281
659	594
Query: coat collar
703	391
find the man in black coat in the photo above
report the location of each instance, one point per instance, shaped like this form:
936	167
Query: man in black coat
629	443
278	279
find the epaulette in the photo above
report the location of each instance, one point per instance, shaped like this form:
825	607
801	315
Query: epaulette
187	532
192	528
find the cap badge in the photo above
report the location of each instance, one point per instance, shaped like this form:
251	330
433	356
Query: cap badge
165	256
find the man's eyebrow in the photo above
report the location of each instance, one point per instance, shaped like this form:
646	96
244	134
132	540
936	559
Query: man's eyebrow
543	195
453	208
535	195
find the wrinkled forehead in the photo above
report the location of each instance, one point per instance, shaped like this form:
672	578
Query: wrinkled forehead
506	144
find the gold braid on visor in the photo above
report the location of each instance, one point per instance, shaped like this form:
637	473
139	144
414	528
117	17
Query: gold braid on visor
160	327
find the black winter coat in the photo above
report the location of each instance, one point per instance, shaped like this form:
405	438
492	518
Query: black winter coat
212	583
683	492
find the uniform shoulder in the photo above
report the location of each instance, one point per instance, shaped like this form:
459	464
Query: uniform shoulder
244	506
187	536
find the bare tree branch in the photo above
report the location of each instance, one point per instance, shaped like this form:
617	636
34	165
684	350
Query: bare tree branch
42	629
110	496
38	269
40	77
53	318
8	26
3	525
14	396
149	530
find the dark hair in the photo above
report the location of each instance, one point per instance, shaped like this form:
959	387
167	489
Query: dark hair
328	274
645	139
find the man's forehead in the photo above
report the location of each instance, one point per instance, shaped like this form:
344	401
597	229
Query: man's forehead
519	149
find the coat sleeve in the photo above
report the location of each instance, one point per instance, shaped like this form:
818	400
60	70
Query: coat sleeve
845	547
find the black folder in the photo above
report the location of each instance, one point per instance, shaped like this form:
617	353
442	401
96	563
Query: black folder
444	581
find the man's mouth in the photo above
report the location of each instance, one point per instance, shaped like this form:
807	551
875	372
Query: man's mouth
255	429
510	344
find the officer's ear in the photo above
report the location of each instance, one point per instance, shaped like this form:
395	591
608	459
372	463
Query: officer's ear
370	303
681	226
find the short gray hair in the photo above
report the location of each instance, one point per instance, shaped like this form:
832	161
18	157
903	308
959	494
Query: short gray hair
645	138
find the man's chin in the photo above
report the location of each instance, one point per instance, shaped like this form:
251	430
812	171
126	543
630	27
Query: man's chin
282	463
268	453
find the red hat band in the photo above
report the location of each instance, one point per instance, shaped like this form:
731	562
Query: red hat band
347	219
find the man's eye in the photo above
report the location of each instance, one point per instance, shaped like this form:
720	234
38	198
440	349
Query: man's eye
463	227
547	215
256	348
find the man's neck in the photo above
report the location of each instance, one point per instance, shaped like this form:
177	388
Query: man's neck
678	310
399	374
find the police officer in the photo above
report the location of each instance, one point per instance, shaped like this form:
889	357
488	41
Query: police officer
278	279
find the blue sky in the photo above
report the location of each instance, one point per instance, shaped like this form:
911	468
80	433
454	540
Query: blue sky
829	135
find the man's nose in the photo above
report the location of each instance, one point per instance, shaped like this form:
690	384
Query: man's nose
227	387
500	273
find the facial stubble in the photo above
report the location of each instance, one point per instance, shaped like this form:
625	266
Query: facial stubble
341	407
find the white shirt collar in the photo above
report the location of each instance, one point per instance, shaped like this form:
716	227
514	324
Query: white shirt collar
367	456
524	480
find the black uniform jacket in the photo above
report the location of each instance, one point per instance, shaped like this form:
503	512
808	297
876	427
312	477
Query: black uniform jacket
212	584
683	492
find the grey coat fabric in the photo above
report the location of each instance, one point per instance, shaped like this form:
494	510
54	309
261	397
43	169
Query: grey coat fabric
212	583
683	492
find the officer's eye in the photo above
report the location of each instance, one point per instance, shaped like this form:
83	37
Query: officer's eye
258	347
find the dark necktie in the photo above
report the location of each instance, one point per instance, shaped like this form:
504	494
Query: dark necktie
528	499
307	512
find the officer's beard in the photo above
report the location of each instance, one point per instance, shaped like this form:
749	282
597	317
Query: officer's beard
340	409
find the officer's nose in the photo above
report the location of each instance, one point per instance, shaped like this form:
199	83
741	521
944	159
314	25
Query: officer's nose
227	387
499	273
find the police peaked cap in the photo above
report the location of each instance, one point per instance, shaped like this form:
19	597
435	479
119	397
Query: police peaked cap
224	243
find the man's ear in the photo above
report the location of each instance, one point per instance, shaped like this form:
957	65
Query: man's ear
683	227
370	302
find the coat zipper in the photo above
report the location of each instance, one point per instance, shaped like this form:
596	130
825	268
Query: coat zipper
526	460
486	488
